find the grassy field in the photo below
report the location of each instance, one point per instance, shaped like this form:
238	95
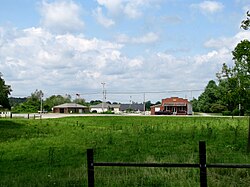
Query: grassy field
52	152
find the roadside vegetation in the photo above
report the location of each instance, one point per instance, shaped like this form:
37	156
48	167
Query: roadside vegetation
52	152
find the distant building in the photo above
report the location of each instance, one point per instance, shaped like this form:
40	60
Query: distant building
70	108
104	107
172	106
117	108
134	107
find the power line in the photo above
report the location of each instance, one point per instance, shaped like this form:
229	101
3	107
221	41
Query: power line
148	92
122	92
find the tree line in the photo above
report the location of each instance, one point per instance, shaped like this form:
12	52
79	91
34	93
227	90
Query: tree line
35	102
231	95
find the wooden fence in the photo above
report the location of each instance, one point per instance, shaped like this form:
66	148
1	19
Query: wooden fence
202	165
13	115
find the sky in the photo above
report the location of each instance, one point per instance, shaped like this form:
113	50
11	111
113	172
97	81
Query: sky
141	49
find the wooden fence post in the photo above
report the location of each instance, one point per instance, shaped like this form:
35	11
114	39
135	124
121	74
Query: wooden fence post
203	167
90	159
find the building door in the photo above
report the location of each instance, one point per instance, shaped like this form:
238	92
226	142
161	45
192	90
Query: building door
174	110
61	110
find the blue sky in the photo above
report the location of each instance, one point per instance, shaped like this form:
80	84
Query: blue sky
134	46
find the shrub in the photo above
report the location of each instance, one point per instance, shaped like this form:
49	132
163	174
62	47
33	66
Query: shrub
216	108
226	113
108	112
236	112
247	112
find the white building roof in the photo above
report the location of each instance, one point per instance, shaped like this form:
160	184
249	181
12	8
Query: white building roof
70	105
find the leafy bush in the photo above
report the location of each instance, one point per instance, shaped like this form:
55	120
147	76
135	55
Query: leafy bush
247	112
25	108
108	112
236	112
216	108
226	113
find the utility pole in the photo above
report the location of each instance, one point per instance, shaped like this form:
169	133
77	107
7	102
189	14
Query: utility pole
103	95
41	106
239	99
130	102
144	103
41	100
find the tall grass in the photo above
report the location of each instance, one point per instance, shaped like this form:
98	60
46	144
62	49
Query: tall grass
52	152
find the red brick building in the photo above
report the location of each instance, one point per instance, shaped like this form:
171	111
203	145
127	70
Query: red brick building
172	106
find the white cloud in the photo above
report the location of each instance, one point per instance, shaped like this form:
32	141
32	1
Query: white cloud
113	6
147	38
82	74
34	58
61	16
228	42
106	22
135	63
150	37
218	57
210	7
131	8
68	63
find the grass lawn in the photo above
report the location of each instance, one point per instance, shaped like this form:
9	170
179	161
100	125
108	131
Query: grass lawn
52	152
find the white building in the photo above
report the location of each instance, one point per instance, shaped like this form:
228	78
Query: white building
104	107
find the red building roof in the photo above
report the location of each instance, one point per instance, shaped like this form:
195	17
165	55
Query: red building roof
174	101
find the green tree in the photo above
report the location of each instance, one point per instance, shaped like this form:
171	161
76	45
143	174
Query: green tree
36	96
157	103
208	97
55	100
32	103
227	88
148	104
16	100
195	104
4	93
95	102
241	56
241	70
80	101
245	24
234	83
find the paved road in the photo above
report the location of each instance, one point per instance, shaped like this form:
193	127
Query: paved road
58	115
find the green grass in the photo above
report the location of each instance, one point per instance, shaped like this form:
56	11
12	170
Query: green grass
52	152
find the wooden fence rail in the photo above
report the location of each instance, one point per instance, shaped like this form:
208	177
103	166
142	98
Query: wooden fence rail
13	115
202	165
